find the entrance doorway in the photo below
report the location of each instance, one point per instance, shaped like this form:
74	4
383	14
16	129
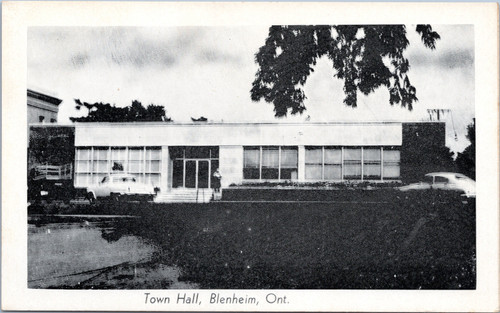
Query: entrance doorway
193	167
197	173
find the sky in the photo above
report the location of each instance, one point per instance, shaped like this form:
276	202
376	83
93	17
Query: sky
208	71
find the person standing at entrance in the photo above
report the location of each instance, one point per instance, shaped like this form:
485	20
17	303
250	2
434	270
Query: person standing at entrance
217	178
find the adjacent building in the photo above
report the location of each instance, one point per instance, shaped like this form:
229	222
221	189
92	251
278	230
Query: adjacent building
42	108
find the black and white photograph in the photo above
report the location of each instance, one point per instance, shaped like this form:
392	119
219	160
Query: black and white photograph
187	166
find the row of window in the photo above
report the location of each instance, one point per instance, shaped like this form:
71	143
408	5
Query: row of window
270	163
259	163
322	163
92	164
346	163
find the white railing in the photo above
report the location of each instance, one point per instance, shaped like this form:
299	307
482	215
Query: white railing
54	172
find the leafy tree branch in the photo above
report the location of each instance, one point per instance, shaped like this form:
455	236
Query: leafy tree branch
365	57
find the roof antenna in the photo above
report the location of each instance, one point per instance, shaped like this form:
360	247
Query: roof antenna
439	114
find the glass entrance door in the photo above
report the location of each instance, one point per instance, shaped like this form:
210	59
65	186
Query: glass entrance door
203	173
193	167
190	178
197	174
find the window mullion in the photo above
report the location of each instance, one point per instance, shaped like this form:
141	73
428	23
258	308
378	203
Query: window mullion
91	169
184	172
279	163
342	163
322	163
144	164
260	163
382	163
362	162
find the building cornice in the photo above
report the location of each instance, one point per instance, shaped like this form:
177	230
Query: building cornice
44	97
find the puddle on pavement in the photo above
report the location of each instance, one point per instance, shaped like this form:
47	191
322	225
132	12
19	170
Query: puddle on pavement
91	252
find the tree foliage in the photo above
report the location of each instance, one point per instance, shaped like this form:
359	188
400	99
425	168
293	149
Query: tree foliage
466	160
136	112
365	57
51	145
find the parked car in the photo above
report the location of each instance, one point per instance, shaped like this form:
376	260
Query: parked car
118	187
445	181
44	190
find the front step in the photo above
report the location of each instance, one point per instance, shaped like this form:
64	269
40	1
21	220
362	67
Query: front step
185	195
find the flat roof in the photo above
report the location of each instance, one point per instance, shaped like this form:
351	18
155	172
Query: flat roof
253	123
215	123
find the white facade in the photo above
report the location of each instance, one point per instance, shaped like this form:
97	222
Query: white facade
173	155
237	134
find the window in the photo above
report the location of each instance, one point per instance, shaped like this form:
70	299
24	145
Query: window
152	165
391	165
323	163
251	163
372	163
99	164
83	162
41	118
53	120
352	163
118	158
270	163
136	160
332	163
288	163
314	163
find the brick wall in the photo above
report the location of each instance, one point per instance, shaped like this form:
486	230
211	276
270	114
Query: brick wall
423	150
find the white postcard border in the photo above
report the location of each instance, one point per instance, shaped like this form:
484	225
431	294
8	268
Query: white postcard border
18	16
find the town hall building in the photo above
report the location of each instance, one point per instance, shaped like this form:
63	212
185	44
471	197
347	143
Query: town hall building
185	155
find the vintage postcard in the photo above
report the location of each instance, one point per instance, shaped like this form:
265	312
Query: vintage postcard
250	156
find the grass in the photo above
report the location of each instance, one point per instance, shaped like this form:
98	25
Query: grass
309	246
417	241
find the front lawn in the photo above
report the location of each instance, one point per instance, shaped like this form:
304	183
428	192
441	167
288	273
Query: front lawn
408	245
